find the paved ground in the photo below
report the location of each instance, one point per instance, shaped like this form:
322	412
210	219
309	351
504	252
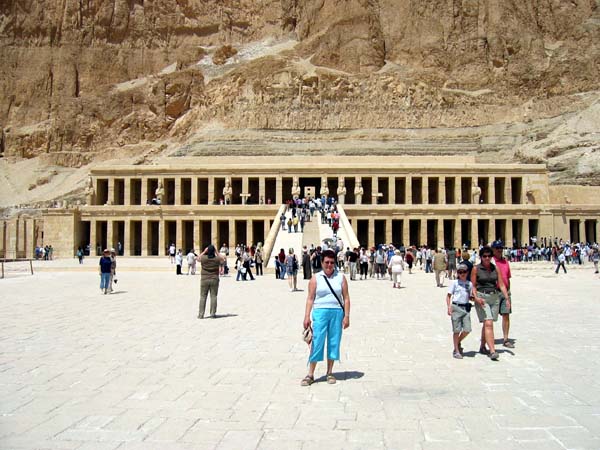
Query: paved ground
137	370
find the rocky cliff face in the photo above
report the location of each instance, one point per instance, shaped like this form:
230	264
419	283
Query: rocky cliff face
84	80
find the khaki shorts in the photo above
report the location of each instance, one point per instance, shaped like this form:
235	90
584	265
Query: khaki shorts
503	308
461	320
489	311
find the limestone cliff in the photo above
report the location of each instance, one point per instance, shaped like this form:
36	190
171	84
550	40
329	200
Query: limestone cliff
85	80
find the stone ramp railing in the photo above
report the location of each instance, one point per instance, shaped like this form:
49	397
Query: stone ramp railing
282	239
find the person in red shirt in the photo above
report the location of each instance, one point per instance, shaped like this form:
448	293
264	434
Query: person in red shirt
503	267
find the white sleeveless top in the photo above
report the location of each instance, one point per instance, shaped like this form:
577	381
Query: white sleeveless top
323	296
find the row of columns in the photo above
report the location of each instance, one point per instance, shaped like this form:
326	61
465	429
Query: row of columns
18	238
280	196
163	242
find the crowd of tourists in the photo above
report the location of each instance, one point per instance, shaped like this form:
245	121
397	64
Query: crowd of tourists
44	252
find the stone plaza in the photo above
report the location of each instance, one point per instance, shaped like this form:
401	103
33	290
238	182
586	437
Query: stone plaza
137	370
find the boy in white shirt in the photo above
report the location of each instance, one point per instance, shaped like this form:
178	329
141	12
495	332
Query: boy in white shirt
460	292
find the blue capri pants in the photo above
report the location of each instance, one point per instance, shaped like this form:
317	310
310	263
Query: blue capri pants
326	324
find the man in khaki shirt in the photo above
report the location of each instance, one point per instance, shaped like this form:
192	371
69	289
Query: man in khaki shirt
439	267
210	262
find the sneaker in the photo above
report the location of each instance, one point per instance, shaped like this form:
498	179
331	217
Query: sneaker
461	350
508	344
494	356
484	351
457	355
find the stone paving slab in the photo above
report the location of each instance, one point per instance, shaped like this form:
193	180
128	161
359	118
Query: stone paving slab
137	370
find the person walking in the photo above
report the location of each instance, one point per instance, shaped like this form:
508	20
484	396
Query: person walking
105	265
503	267
191	262
460	292
172	253
113	270
291	263
486	282
79	255
397	267
327	311
439	267
210	262
282	267
178	262
306	269
258	259
247	263
595	256
560	261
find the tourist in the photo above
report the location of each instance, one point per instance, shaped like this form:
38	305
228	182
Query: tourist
460	292
105	265
440	266
210	262
79	254
372	265
178	262
291	266
380	262
327	311
486	281
352	262
306	269
595	257
409	258
258	259
191	262
505	307
467	262
396	268
282	267
113	270
560	261
172	253
247	263
428	255
364	263
419	258
315	260
451	257
224	252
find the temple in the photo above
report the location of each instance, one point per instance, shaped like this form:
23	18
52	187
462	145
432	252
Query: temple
438	201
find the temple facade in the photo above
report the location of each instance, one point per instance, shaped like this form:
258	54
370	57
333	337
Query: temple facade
437	201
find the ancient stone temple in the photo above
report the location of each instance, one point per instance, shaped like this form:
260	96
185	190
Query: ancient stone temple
438	201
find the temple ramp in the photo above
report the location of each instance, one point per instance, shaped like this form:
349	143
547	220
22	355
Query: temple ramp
285	240
345	232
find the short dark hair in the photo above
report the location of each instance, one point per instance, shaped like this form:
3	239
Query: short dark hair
486	251
328	254
211	251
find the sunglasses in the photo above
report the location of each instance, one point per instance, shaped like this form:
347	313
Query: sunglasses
486	256
460	272
328	262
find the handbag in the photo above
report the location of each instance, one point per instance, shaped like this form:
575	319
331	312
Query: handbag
307	335
334	294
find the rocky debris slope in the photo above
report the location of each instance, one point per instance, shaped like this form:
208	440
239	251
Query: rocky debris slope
96	80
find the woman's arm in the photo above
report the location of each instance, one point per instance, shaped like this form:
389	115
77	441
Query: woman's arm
477	300
310	299
346	296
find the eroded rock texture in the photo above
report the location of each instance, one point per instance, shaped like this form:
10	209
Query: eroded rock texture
83	80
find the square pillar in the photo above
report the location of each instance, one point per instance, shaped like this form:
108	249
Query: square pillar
267	229
406	231
375	192
408	189
197	242
194	194
509	232
371	232
581	229
423	236
127	241
392	191
127	191
525	237
145	237
457	190
457	234
440	233
29	238
144	190
162	245
388	230
492	229
214	236
474	233
249	233
492	190
425	190
111	192
508	191
211	190
278	190
179	234
110	234
178	192
442	190
232	241
93	243
262	191
245	189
